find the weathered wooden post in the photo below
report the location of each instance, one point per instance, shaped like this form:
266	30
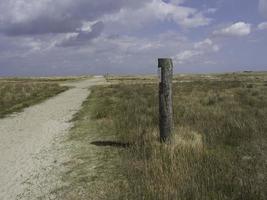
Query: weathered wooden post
165	99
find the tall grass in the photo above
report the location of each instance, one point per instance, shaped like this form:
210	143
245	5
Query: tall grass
219	144
17	95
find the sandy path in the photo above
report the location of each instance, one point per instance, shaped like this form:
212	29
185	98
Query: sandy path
29	140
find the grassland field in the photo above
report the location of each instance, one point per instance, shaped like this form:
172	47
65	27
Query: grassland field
18	93
219	145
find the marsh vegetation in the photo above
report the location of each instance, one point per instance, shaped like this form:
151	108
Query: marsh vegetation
219	144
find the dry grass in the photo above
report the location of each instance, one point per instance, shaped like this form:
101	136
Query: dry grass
43	79
219	146
16	95
131	79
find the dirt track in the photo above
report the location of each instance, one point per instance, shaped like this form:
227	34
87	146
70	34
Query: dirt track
30	143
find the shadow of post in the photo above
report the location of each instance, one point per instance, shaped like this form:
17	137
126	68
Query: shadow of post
111	144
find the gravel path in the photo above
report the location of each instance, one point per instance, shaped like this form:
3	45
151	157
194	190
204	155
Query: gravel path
30	142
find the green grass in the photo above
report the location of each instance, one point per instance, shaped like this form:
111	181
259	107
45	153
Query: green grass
219	145
16	95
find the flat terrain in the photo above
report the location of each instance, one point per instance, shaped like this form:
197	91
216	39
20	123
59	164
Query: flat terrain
219	144
29	142
110	149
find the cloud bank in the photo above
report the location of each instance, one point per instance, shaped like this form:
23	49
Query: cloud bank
236	29
30	17
124	36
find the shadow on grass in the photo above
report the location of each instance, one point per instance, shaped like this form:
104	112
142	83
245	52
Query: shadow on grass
111	144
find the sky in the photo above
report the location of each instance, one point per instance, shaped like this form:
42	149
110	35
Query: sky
66	37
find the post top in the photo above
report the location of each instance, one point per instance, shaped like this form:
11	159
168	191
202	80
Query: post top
164	58
164	62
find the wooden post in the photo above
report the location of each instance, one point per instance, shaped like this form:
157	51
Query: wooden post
165	99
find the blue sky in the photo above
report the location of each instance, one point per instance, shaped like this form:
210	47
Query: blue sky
66	37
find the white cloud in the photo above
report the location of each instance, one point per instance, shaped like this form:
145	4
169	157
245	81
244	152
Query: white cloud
211	10
236	29
215	48
157	10
31	17
87	33
262	26
206	45
199	49
186	55
184	16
